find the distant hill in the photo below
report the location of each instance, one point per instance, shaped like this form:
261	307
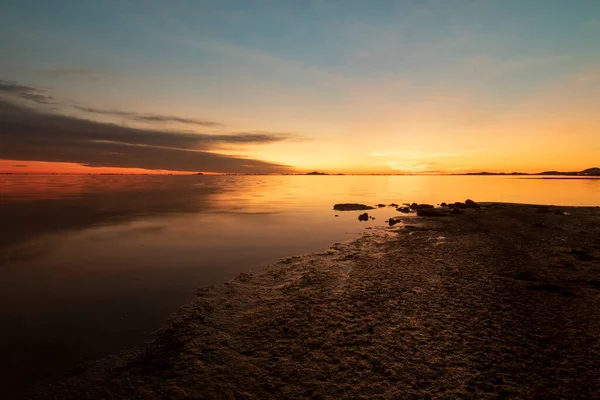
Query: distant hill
586	172
591	171
316	173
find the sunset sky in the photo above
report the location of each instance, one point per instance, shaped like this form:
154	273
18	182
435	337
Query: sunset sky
340	86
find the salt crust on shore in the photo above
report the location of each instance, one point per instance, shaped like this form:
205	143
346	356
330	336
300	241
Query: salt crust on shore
498	302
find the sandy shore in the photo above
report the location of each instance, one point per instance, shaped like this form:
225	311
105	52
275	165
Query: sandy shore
502	301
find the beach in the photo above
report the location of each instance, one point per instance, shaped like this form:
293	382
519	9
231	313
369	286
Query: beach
500	301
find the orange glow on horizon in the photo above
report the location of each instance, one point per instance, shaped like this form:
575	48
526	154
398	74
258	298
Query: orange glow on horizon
45	167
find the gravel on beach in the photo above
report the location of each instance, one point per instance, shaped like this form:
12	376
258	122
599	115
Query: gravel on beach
501	301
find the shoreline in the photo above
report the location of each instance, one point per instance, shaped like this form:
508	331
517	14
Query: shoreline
470	305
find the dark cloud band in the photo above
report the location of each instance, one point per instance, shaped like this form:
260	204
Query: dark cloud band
28	134
150	118
25	92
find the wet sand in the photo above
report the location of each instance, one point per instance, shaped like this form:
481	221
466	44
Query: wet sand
498	302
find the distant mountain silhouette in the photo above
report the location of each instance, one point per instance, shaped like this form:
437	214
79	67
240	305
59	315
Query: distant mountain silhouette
586	172
591	171
316	173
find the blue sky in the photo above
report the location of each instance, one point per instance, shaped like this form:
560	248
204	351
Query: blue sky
328	71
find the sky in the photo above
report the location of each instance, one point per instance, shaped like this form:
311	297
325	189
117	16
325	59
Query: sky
280	86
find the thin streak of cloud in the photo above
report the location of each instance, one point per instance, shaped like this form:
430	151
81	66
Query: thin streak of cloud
149	118
30	135
29	93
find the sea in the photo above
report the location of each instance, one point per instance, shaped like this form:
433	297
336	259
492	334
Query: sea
91	265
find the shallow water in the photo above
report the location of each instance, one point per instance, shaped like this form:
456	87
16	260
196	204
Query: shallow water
90	265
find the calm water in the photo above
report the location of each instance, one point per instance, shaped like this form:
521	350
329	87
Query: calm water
89	265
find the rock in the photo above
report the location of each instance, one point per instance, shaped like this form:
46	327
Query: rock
336	215
457	211
380	205
443	204
471	204
430	212
393	222
403	210
393	205
363	217
415	206
351	207
458	204
580	255
372	217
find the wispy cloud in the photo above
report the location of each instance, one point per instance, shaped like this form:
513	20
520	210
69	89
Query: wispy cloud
25	92
41	96
31	135
150	118
36	134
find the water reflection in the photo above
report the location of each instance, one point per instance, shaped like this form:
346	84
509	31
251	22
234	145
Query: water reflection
87	271
90	264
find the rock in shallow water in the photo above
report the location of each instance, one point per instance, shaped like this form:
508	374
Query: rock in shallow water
363	217
471	204
351	207
430	212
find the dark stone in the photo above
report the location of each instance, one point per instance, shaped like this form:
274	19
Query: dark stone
415	206
392	222
380	205
548	287
351	207
471	204
456	211
403	210
363	217
444	204
458	204
524	276
393	205
581	255
430	212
